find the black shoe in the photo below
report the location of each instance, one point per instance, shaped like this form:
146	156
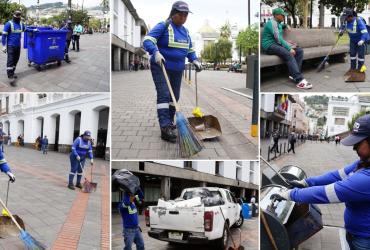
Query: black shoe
71	187
79	185
15	76
67	60
168	134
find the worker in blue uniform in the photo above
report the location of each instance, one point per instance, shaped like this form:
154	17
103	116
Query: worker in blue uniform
4	167
130	220
350	185
11	42
81	148
68	27
169	43
358	35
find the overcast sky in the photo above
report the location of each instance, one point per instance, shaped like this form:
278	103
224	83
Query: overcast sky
215	11
87	3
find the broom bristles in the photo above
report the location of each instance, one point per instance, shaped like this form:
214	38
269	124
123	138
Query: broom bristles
322	65
30	242
189	143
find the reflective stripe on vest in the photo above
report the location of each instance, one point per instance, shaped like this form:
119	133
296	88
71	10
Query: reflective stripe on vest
2	161
129	209
354	28
171	40
14	30
81	145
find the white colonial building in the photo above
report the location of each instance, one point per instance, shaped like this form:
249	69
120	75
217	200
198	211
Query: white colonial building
60	116
341	111
207	35
128	33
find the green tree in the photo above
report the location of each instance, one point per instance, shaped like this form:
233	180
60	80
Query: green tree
225	30
355	117
291	6
7	9
217	52
248	40
95	23
337	6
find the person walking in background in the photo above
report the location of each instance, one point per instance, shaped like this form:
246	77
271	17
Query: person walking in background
69	29
44	145
275	139
2	135
292	139
9	140
77	31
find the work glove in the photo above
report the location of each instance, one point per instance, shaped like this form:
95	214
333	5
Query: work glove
78	158
3	49
159	59
281	196
298	184
360	43
198	66
91	162
11	176
341	32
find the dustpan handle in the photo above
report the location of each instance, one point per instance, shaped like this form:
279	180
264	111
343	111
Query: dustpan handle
169	87
7	193
196	89
91	172
11	215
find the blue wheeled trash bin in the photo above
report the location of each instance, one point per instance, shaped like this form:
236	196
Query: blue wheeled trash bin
44	46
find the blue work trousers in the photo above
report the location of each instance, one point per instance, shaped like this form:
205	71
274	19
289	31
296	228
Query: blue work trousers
12	59
76	168
133	235
357	55
165	107
358	243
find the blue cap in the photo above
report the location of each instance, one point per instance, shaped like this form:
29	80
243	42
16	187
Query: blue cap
181	6
360	131
87	133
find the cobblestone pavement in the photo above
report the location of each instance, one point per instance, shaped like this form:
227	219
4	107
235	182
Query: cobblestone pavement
249	238
58	217
316	158
329	80
89	70
135	130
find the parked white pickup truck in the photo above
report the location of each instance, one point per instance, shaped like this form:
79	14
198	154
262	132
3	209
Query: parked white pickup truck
199	221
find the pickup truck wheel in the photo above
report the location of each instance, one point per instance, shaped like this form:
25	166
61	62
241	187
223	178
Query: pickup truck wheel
223	242
239	222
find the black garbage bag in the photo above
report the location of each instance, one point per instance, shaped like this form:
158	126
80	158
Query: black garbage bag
125	180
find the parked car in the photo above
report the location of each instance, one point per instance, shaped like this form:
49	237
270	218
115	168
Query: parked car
198	223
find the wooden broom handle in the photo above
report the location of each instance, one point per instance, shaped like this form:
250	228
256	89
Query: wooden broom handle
170	88
11	215
269	234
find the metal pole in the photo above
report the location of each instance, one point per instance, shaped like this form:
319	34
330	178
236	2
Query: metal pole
311	14
255	109
249	21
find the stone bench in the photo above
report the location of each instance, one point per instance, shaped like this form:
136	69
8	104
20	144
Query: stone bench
316	43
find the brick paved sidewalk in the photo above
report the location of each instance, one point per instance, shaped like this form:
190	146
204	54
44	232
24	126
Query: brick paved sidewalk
58	217
135	130
89	70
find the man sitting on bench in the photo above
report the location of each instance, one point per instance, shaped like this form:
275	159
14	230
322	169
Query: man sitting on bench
273	43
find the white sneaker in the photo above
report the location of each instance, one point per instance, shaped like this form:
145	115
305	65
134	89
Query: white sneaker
304	85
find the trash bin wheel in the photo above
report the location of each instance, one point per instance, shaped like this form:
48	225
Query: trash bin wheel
38	67
59	63
29	63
